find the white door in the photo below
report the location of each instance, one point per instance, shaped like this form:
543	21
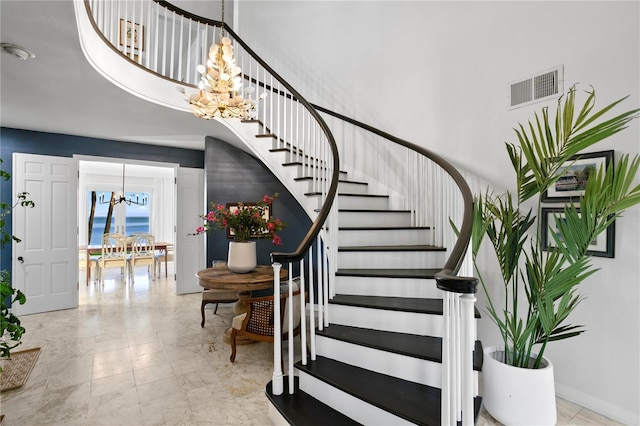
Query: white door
45	263
190	250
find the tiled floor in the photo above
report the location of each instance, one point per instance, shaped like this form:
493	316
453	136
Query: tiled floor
136	355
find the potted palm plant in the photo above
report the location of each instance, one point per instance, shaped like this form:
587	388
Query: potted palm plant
541	282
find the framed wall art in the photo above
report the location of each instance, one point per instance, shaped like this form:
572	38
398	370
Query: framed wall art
266	215
571	185
601	246
131	35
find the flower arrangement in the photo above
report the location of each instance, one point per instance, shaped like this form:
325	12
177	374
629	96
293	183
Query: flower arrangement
245	220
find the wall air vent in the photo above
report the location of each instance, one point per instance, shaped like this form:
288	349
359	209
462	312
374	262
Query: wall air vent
536	88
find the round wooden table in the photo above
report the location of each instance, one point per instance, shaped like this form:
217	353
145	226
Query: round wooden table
221	278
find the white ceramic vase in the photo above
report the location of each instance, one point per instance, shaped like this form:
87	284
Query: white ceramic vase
242	256
517	396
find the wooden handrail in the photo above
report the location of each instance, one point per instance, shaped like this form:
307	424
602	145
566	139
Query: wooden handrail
318	223
447	278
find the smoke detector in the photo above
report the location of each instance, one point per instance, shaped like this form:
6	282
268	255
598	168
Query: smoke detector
17	51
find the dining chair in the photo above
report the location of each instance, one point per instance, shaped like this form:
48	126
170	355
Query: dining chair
160	257
92	263
113	254
257	322
143	251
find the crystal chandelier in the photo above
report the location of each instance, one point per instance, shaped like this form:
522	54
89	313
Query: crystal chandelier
219	94
121	198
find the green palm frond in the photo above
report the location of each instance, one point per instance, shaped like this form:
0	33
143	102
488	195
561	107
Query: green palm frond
550	277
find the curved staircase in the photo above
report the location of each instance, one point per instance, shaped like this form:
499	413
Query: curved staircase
395	338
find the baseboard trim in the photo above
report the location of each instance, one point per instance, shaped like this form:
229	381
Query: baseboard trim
597	405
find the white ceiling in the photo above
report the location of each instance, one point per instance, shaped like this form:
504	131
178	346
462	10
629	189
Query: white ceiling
60	92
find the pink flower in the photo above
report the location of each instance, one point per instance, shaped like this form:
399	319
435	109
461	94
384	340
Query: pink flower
247	220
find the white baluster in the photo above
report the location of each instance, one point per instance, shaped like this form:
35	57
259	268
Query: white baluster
290	330
467	302
277	380
303	316
312	313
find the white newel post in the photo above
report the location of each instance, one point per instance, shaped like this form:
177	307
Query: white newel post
467	304
447	355
276	380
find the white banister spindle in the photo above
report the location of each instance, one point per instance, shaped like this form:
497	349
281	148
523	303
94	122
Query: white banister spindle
277	380
446	391
312	312
320	284
289	313
173	47
164	46
303	317
467	304
325	280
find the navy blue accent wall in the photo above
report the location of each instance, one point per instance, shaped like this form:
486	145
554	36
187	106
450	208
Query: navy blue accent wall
30	142
232	175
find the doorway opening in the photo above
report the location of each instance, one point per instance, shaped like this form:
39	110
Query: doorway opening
126	197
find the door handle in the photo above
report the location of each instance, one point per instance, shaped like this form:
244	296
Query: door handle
20	259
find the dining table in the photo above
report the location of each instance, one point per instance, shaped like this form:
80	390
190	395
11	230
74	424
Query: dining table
222	278
162	247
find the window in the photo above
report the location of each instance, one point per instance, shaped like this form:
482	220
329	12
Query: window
125	218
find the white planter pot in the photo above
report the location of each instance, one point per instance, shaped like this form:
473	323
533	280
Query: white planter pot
518	396
242	256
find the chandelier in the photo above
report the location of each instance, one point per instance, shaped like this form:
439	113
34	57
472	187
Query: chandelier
219	94
136	199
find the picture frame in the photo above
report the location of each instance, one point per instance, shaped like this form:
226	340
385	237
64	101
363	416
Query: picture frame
602	246
571	185
131	35
267	214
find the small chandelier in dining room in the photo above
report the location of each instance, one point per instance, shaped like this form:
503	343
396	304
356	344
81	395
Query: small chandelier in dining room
137	199
219	94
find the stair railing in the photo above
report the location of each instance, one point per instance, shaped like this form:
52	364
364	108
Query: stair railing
411	172
168	42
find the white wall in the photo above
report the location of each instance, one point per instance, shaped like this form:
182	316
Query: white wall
436	73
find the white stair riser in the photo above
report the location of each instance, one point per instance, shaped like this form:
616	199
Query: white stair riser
374	218
366	203
396	260
348	405
389	287
404	367
352	188
314	185
386	237
386	320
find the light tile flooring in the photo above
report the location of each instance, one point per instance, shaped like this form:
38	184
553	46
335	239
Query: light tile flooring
135	354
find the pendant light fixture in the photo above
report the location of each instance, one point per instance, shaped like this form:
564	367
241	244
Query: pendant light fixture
219	94
137	199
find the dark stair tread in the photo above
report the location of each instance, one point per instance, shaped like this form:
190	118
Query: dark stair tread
346	194
403	304
426	273
372	211
382	228
299	163
300	408
339	180
421	347
396	248
411	401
